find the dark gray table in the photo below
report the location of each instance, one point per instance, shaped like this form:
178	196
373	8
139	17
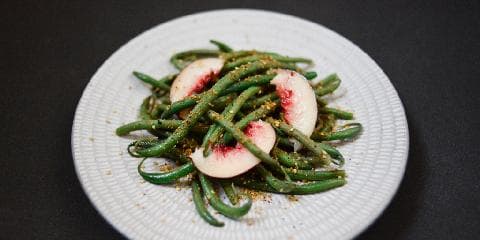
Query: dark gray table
50	49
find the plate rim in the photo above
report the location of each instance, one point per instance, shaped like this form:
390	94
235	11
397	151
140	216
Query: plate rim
358	228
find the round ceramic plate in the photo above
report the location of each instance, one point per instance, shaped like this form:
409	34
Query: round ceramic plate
375	161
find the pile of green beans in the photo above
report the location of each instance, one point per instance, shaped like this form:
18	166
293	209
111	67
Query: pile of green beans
217	116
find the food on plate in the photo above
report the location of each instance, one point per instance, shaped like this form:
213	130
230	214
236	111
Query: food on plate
243	119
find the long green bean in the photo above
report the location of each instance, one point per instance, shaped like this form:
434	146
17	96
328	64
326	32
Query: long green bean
156	124
249	82
152	81
314	175
230	191
166	177
217	204
300	189
182	59
339	114
222	46
268	56
327	85
306	141
201	208
277	184
348	131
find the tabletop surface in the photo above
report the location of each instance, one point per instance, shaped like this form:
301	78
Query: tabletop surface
50	49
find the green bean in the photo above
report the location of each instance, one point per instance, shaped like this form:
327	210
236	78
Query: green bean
248	82
327	80
242	139
201	208
328	85
156	124
174	153
243	60
310	75
221	46
190	101
300	189
348	131
180	105
182	59
339	114
306	141
314	175
215	130
260	112
291	160
236	54
217	204
277	184
259	101
268	56
166	177
230	191
333	152
203	104
150	80
286	59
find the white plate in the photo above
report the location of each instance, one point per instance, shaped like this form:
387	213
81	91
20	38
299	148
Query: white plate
375	162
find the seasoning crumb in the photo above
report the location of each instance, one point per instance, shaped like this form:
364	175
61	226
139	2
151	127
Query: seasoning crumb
108	172
250	221
292	198
108	121
121	153
129	87
255	195
91	139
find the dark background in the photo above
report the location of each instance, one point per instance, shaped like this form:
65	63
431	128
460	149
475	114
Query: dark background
50	49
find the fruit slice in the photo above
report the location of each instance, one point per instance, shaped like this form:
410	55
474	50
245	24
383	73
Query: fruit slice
230	161
297	99
194	77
